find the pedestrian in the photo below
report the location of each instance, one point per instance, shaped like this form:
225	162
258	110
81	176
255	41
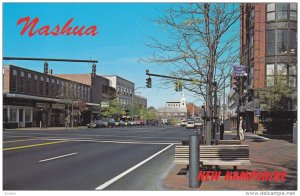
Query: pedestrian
241	130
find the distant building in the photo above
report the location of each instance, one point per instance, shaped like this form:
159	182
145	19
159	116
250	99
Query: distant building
124	88
176	110
140	101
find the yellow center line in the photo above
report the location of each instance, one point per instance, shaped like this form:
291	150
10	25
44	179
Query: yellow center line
33	145
12	141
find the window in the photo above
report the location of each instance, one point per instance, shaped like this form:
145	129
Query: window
34	84
292	75
270	16
281	69
13	115
28	115
270	74
293	15
293	41
270	36
270	48
282	40
41	85
21	82
28	82
293	6
53	87
271	7
14	81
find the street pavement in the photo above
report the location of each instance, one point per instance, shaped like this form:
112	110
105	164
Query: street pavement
125	158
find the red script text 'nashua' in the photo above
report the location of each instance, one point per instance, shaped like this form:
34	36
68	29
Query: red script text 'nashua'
46	30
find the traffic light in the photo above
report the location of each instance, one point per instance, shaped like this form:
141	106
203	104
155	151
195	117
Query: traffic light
94	70
45	67
178	85
148	83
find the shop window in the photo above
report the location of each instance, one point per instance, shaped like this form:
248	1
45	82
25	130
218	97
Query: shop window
28	115
13	115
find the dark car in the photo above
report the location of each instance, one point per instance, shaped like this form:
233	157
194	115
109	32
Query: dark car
110	122
97	124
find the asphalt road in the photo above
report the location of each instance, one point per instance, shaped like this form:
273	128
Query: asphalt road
126	158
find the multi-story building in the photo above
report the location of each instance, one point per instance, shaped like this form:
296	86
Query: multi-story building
31	97
101	92
173	110
268	41
124	89
140	101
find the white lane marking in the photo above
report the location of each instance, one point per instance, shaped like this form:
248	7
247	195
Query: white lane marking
58	157
106	184
106	135
114	141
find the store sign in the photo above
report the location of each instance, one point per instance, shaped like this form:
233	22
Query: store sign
42	105
58	106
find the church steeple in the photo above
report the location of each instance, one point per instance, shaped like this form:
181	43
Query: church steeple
182	101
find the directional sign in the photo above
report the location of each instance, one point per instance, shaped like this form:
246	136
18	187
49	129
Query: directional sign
239	70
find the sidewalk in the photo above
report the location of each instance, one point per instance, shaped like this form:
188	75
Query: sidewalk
47	129
265	155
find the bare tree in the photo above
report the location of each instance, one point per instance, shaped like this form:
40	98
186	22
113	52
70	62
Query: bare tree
202	45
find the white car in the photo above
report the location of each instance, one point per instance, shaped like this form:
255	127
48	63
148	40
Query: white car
183	123
190	125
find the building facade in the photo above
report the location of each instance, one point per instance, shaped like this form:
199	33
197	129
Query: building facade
268	48
140	101
31	98
124	89
176	110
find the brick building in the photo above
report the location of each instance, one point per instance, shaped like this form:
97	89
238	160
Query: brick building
31	97
101	92
268	46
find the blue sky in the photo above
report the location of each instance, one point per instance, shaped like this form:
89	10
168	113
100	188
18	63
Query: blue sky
123	30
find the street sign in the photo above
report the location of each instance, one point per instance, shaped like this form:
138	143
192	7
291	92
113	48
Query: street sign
104	104
257	112
239	70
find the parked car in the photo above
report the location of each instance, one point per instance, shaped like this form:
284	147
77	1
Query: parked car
198	123
131	123
110	122
139	123
120	123
97	124
183	123
190	124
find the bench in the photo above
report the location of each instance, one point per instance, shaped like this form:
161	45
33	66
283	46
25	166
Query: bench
220	155
228	142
